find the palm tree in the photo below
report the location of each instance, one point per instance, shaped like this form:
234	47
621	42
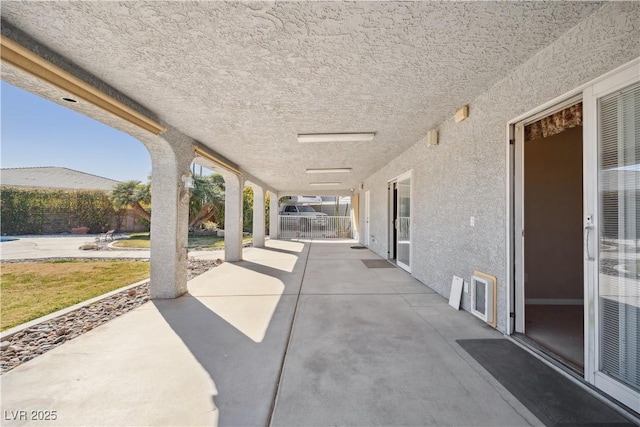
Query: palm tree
131	194
207	200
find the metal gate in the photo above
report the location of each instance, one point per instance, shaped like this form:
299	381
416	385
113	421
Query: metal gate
315	227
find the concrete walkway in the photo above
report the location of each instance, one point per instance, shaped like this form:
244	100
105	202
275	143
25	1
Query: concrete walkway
297	334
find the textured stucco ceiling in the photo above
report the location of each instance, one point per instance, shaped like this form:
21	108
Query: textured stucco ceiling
245	78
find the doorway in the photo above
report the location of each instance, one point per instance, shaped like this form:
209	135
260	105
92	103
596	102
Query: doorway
367	213
551	150
546	195
400	221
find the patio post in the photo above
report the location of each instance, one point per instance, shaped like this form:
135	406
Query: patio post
274	219
169	219
234	185
258	216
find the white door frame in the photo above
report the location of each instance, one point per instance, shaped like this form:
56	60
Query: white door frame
589	92
593	373
391	248
367	214
391	241
518	211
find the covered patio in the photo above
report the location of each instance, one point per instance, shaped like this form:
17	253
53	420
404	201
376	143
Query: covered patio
234	85
415	110
299	333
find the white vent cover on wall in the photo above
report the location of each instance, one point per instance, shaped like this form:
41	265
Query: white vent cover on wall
483	297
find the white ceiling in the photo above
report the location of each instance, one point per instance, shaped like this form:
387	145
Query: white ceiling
245	78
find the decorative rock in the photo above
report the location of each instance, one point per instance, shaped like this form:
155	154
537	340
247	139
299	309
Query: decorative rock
90	247
30	343
59	340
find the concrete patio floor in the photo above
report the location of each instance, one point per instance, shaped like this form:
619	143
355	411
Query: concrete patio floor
299	333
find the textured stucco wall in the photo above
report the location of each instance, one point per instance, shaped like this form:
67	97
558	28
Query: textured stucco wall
465	175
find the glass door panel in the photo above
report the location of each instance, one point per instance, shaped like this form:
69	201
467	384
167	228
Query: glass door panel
619	236
404	223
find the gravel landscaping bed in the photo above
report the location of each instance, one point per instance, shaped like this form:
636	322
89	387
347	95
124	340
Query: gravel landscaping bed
25	345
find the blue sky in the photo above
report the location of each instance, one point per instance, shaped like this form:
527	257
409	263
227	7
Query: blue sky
37	132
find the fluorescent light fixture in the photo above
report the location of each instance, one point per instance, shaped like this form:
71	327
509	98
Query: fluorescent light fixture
336	137
324	183
330	170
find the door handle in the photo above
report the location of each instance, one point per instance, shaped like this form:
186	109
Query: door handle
587	232
395	223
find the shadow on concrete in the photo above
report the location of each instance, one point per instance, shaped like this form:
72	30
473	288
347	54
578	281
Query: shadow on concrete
245	366
284	251
245	372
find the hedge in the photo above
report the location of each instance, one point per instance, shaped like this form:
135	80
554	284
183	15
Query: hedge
40	211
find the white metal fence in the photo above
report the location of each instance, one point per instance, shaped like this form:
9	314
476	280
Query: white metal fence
314	227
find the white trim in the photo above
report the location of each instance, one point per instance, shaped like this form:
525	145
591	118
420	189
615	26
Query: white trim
510	153
619	391
554	301
518	226
391	244
589	191
618	80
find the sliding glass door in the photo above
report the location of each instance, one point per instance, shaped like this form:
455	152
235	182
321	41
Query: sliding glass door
612	238
403	222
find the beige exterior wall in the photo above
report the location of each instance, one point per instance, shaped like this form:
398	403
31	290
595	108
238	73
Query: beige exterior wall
466	174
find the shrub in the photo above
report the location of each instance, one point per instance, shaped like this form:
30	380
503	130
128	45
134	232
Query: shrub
210	226
38	211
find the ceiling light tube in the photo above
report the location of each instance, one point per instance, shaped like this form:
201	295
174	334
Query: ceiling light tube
335	137
324	183
329	170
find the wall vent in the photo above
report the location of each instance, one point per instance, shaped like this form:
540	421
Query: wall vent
483	297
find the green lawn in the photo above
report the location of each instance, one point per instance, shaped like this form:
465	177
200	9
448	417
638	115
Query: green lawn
34	289
138	240
141	240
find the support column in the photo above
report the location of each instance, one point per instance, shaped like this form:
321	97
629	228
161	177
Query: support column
233	217
169	221
274	219
258	217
